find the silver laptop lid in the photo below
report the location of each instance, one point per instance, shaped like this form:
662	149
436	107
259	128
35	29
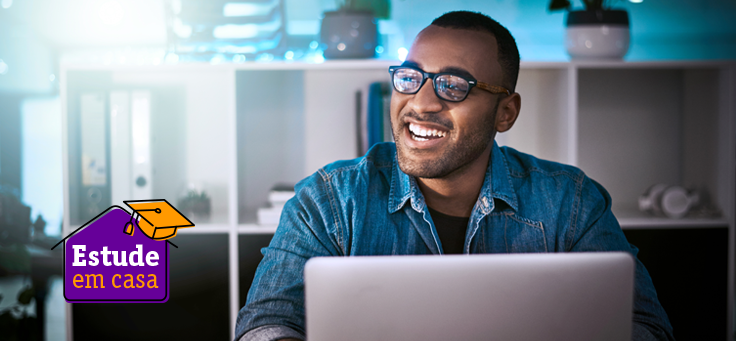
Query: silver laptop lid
560	296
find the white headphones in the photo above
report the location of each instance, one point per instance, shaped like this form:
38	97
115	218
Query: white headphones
671	201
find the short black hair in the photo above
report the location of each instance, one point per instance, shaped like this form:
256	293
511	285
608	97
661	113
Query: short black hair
508	53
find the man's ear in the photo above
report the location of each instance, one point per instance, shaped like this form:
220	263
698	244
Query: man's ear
508	112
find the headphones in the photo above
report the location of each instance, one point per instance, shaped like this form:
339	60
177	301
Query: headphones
670	201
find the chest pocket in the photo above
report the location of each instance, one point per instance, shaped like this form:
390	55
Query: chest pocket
505	232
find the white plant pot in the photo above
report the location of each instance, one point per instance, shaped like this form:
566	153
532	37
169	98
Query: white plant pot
597	41
597	34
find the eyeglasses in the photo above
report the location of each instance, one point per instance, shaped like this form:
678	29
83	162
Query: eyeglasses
447	86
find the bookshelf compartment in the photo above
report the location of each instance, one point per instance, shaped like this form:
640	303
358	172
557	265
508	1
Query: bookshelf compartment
640	127
546	121
240	129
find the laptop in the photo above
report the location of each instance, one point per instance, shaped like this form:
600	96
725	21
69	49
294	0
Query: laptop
553	296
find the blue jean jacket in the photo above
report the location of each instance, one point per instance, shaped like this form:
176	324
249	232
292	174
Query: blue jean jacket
368	206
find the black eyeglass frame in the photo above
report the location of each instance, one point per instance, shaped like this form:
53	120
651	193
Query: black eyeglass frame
494	89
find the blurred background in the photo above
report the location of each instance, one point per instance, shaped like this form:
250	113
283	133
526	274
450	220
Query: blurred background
220	107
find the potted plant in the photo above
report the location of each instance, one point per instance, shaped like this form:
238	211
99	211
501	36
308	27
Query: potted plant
598	31
196	204
351	31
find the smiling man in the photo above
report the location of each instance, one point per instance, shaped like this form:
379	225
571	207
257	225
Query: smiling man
444	187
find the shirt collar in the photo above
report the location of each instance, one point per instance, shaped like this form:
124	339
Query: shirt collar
403	188
496	185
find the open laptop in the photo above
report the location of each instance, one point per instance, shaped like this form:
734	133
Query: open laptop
560	296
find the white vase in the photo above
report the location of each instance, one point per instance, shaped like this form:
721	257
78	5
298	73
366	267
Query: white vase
597	34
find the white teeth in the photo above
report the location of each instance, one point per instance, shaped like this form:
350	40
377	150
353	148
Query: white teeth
423	132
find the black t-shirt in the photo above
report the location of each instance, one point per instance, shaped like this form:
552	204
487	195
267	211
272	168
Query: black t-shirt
451	231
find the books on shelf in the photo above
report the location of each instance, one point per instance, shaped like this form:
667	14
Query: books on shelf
269	215
277	198
374	120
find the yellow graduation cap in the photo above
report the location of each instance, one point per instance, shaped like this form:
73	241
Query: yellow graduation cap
159	220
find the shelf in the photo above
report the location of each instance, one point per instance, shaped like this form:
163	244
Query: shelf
205	228
364	64
347	64
634	219
622	64
256	229
668	223
666	64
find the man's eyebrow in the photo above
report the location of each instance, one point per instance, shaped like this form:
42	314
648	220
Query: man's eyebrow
448	69
410	63
458	71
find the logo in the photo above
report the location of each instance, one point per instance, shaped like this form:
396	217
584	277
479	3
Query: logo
106	261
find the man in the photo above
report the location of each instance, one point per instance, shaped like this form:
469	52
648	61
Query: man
443	187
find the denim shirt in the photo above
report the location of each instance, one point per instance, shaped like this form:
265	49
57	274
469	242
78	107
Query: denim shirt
368	206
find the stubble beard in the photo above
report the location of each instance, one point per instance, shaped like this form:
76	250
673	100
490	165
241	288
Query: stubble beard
454	158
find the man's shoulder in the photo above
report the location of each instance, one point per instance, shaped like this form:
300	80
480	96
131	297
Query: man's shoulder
380	156
523	165
554	178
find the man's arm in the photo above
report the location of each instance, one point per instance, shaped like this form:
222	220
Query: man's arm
596	229
275	306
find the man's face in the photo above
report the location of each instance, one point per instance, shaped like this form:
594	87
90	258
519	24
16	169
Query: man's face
464	130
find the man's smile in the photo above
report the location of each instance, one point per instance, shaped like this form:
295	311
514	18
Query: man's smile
423	134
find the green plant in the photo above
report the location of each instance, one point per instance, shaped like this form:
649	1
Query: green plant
15	322
590	5
381	9
195	202
15	260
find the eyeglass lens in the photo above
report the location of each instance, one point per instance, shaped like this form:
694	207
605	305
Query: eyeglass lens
449	87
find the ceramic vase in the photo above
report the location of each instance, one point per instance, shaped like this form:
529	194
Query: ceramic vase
349	34
597	34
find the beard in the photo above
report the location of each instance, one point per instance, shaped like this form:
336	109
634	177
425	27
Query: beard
455	156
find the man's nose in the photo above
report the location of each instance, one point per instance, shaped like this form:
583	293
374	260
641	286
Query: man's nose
425	101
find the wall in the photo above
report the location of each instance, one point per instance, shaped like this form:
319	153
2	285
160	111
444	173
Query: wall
41	159
28	60
10	149
674	29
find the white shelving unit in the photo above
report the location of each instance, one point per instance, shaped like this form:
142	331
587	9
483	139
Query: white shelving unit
241	128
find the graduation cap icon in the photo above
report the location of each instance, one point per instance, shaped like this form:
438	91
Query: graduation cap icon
159	220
